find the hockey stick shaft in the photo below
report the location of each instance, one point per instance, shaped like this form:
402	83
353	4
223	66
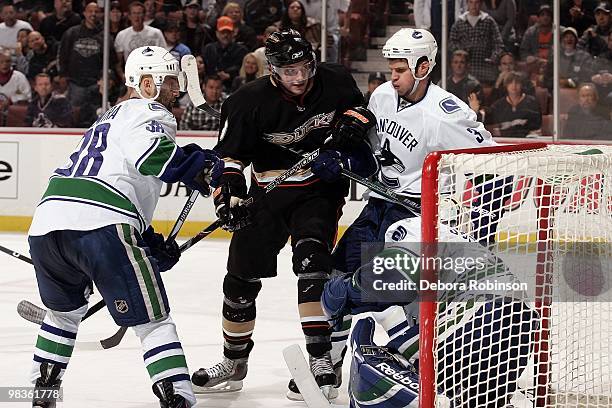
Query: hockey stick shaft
16	255
183	215
376	187
305	161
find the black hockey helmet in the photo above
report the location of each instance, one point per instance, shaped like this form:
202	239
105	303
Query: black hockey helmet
288	47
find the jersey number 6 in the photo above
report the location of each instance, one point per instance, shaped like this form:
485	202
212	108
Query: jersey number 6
94	141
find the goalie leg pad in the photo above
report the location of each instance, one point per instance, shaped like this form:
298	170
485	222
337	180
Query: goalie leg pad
378	379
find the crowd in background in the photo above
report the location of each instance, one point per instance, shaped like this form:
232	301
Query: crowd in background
500	54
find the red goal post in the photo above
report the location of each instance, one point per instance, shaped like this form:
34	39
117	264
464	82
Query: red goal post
543	179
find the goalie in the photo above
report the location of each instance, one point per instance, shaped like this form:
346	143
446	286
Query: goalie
483	336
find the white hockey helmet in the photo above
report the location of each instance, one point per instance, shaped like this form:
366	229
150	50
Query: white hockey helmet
412	44
154	61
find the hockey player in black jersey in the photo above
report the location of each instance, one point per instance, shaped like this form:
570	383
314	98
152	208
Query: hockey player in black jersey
300	106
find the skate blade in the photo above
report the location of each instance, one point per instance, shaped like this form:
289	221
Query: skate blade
328	391
227	386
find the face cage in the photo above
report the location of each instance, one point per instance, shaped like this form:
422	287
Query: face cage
286	74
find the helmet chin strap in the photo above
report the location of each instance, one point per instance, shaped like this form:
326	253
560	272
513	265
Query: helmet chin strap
417	81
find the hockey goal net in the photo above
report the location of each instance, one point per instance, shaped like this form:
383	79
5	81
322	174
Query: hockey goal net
545	211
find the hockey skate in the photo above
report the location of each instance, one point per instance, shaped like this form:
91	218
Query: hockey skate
48	379
167	398
325	375
225	376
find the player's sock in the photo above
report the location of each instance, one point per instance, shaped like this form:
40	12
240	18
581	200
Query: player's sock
224	376
164	358
55	342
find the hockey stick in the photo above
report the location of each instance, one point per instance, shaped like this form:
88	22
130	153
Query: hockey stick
16	255
311	393
306	159
376	187
190	67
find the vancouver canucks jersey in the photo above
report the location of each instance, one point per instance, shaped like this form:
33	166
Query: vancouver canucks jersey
112	176
406	132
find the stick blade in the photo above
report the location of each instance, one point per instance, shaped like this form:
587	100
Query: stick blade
189	66
31	312
296	363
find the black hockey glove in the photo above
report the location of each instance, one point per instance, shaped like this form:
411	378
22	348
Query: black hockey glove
166	254
329	164
352	127
229	197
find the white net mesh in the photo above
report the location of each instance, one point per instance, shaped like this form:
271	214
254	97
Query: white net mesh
546	214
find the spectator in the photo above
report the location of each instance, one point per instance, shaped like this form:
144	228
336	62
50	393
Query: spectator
41	57
537	40
259	14
243	34
355	31
54	26
460	83
260	53
578	14
375	79
138	35
10	27
504	13
505	66
295	17
47	110
313	9
595	39
195	119
516	114
250	70
21	51
172	34
477	33
602	73
587	120
224	57
149	15
527	14
197	32
81	56
90	111
14	86
117	21
573	63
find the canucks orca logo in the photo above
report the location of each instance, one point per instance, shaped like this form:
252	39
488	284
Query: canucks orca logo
449	105
387	158
148	52
417	34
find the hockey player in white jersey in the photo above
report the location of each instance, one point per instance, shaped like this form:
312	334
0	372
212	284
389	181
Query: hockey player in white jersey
486	338
93	226
414	118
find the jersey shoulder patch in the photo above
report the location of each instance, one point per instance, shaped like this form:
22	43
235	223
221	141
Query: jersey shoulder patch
449	105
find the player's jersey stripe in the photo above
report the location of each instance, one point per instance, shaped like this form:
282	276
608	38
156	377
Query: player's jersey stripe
155	163
88	190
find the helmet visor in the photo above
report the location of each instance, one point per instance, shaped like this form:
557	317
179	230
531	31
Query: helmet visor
295	73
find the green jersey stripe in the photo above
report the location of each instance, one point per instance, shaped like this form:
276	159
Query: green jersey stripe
88	190
158	159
